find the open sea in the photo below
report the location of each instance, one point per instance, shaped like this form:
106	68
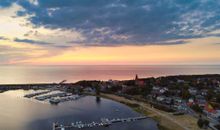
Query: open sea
54	74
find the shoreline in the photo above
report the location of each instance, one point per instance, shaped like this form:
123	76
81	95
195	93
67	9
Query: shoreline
45	84
139	88
165	120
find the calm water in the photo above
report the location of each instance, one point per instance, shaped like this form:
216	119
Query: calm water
18	113
49	74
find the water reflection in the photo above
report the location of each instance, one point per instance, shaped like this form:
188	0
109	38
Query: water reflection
18	113
98	100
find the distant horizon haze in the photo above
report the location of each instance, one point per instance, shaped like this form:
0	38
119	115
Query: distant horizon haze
55	74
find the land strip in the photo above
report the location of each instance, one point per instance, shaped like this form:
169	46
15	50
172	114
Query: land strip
167	121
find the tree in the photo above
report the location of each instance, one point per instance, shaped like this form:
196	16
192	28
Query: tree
146	90
218	98
185	94
197	108
97	88
210	94
202	123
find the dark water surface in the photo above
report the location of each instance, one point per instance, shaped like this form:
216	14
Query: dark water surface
18	113
50	74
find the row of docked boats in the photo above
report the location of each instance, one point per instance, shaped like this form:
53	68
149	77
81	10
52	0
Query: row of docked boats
37	93
57	100
49	96
104	122
53	96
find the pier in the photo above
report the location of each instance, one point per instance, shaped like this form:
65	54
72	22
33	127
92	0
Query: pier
105	122
58	94
57	100
36	94
54	96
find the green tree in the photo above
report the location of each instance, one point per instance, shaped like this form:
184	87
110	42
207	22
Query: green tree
218	98
197	108
210	94
185	94
97	88
202	123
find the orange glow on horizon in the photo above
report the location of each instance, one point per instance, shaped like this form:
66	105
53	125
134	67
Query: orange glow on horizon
195	52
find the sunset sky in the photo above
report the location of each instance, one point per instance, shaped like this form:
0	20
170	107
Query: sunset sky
90	32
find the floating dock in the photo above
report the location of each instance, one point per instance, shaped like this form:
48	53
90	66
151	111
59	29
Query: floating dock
57	100
36	94
59	94
105	122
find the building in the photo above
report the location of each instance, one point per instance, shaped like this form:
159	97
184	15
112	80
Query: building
139	82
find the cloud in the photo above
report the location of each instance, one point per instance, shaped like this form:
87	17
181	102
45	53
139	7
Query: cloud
136	44
30	33
6	3
125	22
10	54
42	43
31	41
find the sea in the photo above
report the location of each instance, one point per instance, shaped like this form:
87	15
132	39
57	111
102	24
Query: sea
56	74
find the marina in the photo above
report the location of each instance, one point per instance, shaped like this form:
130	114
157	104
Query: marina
57	100
105	122
53	96
36	94
40	115
48	96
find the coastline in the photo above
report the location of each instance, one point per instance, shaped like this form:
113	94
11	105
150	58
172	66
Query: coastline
166	121
138	101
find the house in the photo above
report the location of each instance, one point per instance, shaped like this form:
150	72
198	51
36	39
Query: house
211	112
179	107
208	107
191	102
201	103
156	88
163	90
168	100
161	98
204	92
192	91
216	114
200	100
177	100
180	81
139	82
113	82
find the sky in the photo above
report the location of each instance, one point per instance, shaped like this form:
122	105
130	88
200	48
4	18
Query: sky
109	32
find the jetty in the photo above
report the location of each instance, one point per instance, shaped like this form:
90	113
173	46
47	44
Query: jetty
36	94
58	94
105	122
57	100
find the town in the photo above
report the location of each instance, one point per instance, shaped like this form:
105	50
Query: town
197	96
194	95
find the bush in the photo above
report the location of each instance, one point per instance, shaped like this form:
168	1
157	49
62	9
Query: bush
218	127
162	107
202	123
196	108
